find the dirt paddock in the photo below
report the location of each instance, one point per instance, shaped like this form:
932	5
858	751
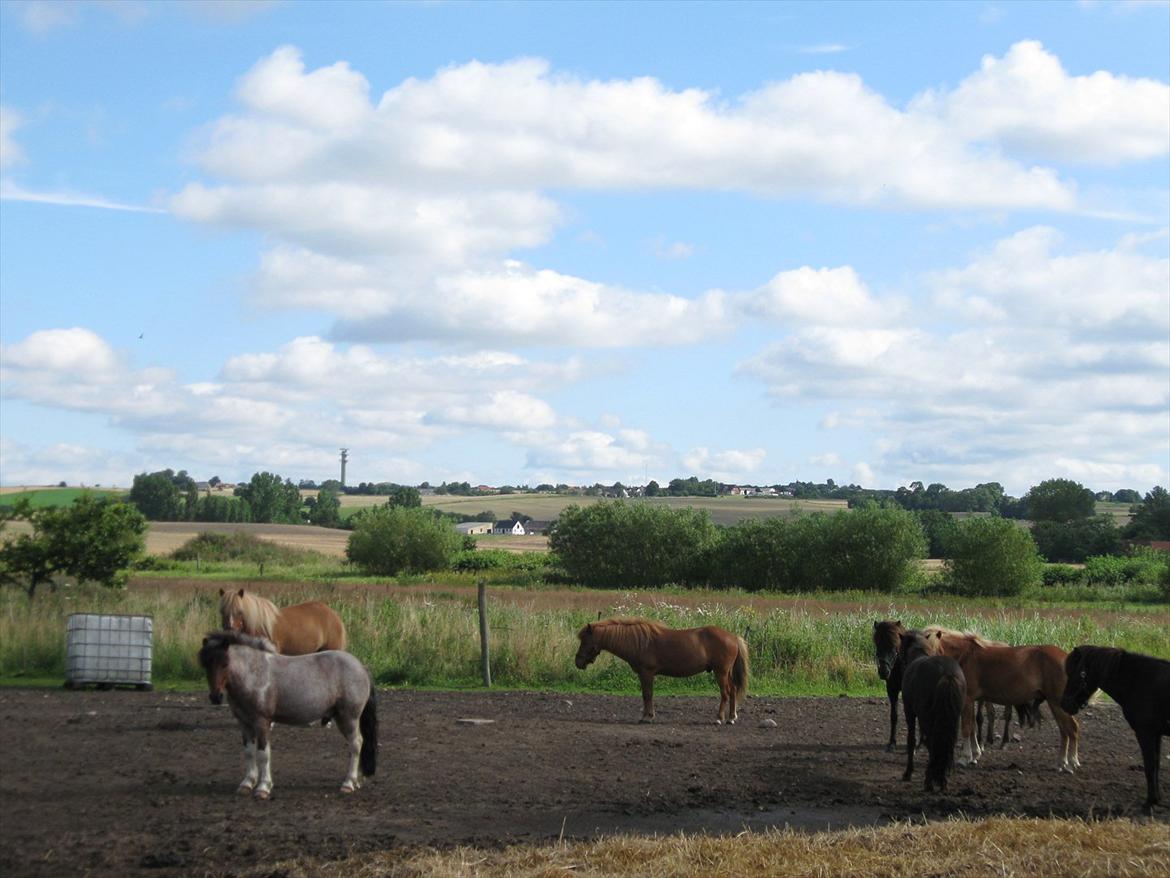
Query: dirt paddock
106	783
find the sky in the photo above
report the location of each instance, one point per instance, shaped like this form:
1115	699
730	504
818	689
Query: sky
525	243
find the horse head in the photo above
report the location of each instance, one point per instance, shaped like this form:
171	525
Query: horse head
588	650
913	645
231	610
213	658
885	641
1086	668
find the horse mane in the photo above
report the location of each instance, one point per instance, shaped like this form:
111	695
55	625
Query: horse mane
219	641
972	636
629	635
260	614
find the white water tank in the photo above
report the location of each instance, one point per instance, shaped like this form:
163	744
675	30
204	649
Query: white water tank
109	650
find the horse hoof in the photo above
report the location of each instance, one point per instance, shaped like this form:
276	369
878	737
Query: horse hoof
262	795
718	722
347	788
244	789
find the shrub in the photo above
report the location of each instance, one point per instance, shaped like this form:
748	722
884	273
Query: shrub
992	556
225	547
868	548
1062	574
632	545
388	540
1073	541
1144	566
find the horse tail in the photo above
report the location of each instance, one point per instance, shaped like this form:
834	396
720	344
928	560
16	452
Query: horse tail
740	671
946	710
368	724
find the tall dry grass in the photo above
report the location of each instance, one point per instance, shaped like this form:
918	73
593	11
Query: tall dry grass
434	641
956	848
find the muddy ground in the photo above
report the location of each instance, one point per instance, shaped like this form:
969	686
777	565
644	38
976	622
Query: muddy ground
106	783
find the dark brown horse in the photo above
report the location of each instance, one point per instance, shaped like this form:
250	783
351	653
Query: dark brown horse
1010	675
652	649
296	630
1140	684
933	693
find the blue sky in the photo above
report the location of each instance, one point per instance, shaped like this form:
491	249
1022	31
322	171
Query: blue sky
523	243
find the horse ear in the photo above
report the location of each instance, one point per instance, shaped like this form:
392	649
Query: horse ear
875	624
588	627
899	622
241	592
222	592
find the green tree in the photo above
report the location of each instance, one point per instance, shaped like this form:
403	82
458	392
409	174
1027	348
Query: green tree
1060	500
388	540
92	540
406	497
158	497
992	556
653	489
272	500
632	545
1071	542
326	510
1151	519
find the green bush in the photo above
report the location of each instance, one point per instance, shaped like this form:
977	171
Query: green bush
632	545
388	540
1144	566
1072	542
224	547
868	548
992	556
1062	574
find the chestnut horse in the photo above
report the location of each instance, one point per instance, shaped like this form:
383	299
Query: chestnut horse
1010	675
296	630
652	649
263	688
1140	684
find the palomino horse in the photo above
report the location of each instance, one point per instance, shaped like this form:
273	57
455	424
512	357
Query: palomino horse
296	630
933	693
1140	684
886	641
1010	675
652	649
263	687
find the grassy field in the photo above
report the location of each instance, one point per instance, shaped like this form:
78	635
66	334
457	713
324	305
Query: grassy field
430	639
960	847
43	497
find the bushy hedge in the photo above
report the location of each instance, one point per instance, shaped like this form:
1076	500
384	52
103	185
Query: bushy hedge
620	545
991	556
632	545
388	540
868	548
240	547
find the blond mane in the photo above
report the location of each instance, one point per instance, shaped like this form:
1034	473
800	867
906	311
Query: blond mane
972	636
627	636
260	614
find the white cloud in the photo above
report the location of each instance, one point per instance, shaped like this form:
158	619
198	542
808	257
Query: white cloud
826	297
1065	354
329	98
43	16
10	151
729	465
1027	102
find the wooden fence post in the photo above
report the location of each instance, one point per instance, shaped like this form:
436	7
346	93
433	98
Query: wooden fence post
481	594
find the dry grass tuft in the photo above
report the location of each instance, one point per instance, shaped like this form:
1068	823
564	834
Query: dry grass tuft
960	848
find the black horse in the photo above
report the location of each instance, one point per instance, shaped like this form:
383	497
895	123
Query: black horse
886	638
1140	684
933	692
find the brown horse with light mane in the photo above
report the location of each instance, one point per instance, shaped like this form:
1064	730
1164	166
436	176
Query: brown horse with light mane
652	649
1010	675
296	630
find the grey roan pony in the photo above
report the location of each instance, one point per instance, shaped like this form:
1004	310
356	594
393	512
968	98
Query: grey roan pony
263	687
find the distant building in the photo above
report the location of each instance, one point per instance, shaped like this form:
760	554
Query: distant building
473	528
